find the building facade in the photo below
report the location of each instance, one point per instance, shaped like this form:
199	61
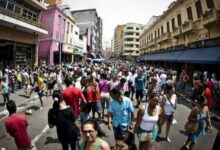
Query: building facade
187	24
131	33
51	45
20	27
118	40
90	24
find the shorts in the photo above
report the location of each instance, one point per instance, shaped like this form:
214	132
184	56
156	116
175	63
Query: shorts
139	94
105	99
41	94
169	118
97	107
154	132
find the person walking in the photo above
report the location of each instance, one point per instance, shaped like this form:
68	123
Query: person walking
140	87
169	106
73	97
146	124
199	118
16	125
5	91
121	113
62	116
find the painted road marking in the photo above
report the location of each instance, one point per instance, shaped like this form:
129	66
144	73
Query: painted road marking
40	134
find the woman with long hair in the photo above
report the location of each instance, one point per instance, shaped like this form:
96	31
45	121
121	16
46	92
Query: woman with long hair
146	124
168	105
62	116
202	123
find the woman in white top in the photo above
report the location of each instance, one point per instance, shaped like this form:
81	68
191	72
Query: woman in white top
146	124
168	105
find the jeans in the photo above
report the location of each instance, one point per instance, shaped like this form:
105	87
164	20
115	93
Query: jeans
66	145
119	131
6	97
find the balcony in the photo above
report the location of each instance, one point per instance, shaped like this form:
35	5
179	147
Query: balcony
150	43
188	26
10	17
165	36
177	31
211	16
158	40
38	4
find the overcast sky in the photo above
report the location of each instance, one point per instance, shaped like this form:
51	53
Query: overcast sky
115	12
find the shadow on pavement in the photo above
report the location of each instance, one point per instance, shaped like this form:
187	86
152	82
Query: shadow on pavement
51	140
160	139
183	132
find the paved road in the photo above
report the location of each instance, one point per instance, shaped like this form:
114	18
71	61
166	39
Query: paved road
47	138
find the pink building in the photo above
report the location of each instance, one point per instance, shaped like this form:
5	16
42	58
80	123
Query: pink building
50	45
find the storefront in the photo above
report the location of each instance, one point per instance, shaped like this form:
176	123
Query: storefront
14	53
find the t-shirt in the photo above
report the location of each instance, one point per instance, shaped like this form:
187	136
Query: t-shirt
16	126
72	96
64	121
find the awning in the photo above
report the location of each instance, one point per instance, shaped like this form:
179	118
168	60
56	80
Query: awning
210	55
171	56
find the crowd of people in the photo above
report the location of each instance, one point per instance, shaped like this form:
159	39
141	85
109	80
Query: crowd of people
83	92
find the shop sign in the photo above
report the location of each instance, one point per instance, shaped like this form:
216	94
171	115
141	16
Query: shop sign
202	37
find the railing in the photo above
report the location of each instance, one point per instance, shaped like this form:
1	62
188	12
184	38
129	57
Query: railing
210	16
21	18
187	26
165	36
176	31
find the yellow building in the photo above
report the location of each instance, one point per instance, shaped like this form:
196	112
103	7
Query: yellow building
118	40
187	29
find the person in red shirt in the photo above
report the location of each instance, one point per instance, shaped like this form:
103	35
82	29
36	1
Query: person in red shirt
208	94
94	91
16	126
72	97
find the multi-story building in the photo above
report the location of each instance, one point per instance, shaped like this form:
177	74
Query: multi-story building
51	45
89	22
131	33
20	27
79	45
118	40
187	32
68	45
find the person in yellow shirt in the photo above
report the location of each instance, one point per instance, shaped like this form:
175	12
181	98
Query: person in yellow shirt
40	88
19	80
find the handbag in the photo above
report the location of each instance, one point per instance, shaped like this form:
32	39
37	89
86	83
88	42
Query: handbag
145	136
191	126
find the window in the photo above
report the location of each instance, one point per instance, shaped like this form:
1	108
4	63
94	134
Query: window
189	13
179	20
137	34
168	27
129	28
59	19
10	6
155	34
151	36
210	4
173	23
24	13
17	10
137	28
3	3
161	30
76	33
199	9
158	32
71	28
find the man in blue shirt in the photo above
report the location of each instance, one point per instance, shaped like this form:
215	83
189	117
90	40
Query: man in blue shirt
140	87
121	113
